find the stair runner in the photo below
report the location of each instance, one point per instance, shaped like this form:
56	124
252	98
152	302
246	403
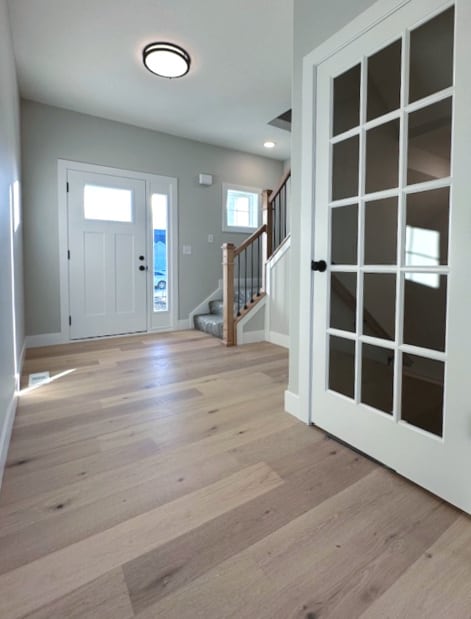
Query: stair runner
212	323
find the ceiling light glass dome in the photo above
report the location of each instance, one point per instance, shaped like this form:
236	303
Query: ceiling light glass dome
166	60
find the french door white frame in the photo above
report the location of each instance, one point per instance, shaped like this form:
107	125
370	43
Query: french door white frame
458	338
152	181
367	20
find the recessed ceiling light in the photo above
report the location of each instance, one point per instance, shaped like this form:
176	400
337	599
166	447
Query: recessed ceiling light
166	60
269	144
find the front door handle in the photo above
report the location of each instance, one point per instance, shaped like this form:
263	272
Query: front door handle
319	265
142	268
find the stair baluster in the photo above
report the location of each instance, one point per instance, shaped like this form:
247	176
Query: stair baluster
224	316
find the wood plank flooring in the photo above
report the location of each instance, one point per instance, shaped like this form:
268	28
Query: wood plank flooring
159	477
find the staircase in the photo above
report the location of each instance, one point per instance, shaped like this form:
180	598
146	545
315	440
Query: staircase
244	267
213	322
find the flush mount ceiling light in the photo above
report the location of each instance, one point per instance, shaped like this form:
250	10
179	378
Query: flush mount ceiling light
269	144
166	60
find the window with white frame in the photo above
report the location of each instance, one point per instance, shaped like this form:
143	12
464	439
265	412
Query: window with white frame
241	208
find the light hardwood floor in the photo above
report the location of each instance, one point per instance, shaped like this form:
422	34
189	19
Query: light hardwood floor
159	477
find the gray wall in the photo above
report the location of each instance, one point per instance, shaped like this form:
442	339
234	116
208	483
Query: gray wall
314	22
9	174
50	133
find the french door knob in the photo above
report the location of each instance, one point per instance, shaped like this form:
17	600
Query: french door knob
142	268
319	265
141	258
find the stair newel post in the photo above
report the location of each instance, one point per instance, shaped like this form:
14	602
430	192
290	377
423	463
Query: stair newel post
267	247
228	335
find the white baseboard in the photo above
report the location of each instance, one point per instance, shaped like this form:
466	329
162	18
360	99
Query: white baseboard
183	325
5	434
250	337
293	405
280	339
44	339
51	339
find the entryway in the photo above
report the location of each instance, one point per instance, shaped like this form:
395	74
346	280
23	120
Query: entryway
120	232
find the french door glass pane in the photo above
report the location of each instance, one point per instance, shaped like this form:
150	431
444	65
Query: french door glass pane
425	310
345	160
344	234
427	222
343	301
422	393
381	231
342	366
382	157
347	100
377	377
159	205
431	56
379	305
384	81
429	142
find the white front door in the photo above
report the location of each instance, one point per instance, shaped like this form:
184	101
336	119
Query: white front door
107	254
391	336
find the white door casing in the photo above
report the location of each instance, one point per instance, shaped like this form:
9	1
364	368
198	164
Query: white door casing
439	457
164	185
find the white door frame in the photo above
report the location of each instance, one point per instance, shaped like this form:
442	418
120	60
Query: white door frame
352	31
63	165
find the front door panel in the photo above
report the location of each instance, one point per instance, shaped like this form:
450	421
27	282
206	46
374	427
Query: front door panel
108	262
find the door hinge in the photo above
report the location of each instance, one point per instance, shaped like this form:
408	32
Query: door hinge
70	321
67	186
68	254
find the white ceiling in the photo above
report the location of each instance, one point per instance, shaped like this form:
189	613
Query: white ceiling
85	55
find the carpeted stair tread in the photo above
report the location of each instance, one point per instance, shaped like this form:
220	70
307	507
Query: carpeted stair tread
209	323
212	322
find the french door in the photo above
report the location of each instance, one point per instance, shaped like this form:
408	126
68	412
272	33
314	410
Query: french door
107	254
391	329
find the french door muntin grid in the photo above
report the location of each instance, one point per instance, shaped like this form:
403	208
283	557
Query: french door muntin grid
399	270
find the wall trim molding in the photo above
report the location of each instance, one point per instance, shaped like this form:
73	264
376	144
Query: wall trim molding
250	337
44	339
5	434
280	339
184	325
293	406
